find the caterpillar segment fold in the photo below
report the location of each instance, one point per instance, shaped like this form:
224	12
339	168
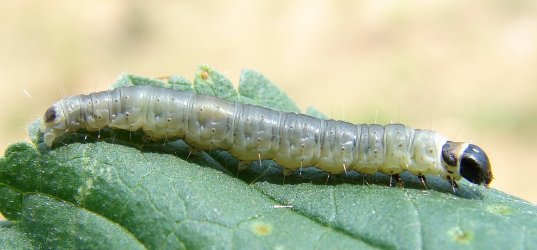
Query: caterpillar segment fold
253	133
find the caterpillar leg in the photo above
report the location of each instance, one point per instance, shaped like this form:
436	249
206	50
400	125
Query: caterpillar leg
145	139
423	180
141	147
286	172
243	165
454	185
262	174
327	178
364	181
114	138
398	180
192	151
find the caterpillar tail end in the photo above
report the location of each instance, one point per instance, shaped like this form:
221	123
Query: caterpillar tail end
54	124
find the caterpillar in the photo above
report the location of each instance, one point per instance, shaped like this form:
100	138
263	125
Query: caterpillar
251	133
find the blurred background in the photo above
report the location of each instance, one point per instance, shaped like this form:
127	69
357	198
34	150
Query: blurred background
467	69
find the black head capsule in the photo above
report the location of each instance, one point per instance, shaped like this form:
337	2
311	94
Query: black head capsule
470	160
475	165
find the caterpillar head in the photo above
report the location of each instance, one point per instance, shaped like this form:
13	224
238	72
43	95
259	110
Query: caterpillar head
471	161
54	124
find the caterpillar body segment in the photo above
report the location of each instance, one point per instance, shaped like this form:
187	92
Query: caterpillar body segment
254	133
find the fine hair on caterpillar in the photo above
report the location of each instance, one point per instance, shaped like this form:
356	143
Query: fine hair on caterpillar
252	133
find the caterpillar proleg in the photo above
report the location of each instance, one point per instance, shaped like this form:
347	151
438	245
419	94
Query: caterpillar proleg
253	133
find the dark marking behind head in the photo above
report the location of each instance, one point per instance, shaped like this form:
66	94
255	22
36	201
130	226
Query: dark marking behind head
448	155
50	115
475	165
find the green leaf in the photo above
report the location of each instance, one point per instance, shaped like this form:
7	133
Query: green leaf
256	89
50	223
128	80
311	111
209	81
180	83
12	237
124	194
